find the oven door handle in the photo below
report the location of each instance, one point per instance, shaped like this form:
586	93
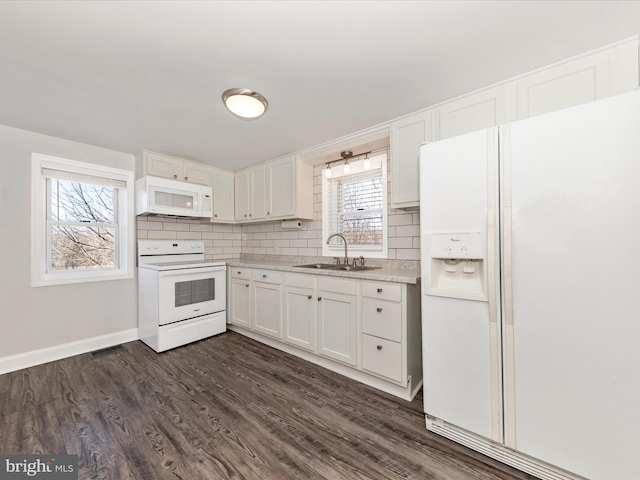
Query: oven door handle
191	271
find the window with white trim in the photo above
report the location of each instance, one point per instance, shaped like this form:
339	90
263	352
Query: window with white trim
80	222
355	205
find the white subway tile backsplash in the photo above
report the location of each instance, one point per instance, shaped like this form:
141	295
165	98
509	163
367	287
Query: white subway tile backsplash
178	227
407	254
201	227
406	219
189	235
212	235
401	242
147	225
161	235
408	231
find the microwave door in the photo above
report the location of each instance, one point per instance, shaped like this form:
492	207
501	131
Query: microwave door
168	201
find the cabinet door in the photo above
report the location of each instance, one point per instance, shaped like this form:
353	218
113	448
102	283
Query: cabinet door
565	85
163	165
240	302
472	113
196	173
281	187
300	317
406	137
258	198
267	311
242	194
337	326
223	196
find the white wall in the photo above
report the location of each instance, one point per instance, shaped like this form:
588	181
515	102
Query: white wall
43	317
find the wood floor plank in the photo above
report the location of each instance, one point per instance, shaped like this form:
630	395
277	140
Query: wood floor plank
225	407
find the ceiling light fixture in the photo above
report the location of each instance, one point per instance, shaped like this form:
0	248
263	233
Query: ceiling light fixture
346	169
244	103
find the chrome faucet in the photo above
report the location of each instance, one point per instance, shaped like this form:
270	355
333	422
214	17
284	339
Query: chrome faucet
346	257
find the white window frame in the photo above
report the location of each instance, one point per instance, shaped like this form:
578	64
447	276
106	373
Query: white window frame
39	245
336	247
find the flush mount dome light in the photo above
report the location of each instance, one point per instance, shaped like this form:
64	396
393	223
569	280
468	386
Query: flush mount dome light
245	103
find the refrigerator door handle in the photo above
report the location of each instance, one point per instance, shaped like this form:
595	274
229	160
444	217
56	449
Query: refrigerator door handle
508	361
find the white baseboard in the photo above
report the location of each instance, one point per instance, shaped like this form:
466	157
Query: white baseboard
50	354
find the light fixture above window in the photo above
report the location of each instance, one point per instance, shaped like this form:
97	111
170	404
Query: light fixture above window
244	103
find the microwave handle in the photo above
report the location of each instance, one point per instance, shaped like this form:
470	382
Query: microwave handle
192	270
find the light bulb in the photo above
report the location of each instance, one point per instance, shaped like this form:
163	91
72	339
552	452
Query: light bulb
367	163
327	172
347	167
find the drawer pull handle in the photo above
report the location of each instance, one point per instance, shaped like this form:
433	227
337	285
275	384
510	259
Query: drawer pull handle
379	347
175	176
239	273
319	298
378	309
264	276
247	285
379	290
309	297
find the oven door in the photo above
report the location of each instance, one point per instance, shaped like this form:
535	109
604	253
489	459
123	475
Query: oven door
191	292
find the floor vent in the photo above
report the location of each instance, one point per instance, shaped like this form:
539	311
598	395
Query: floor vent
106	351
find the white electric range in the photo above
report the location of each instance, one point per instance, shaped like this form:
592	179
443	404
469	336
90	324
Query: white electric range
181	296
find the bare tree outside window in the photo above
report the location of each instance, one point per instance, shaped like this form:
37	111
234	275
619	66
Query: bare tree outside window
82	225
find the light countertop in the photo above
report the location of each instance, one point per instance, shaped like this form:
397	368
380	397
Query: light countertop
383	274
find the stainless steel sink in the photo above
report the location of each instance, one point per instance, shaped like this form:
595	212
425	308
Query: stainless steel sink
333	266
318	265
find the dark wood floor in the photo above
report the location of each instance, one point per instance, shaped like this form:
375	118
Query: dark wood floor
225	407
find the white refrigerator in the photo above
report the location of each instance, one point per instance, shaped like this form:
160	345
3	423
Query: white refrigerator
531	290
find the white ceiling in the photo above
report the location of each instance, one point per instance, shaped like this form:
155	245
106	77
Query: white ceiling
149	75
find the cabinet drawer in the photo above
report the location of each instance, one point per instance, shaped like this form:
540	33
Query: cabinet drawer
382	319
267	276
237	272
382	357
338	285
299	280
384	291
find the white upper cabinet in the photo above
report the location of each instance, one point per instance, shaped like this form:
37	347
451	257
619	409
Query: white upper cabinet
474	112
281	187
582	80
274	190
250	191
289	191
196	173
160	165
223	196
407	134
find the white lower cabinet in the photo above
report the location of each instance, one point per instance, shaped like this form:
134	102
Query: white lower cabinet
367	330
267	302
382	357
300	310
240	297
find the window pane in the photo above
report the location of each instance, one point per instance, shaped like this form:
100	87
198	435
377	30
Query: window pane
81	202
362	195
362	229
75	248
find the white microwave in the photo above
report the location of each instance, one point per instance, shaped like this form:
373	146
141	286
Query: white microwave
162	196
